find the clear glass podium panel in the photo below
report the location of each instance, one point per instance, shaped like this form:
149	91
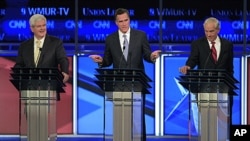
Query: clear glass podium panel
209	117
38	115
123	116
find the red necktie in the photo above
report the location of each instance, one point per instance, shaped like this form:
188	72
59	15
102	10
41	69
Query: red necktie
214	53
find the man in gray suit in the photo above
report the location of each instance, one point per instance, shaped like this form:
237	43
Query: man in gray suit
51	53
138	49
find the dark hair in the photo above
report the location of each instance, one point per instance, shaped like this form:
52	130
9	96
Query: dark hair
120	11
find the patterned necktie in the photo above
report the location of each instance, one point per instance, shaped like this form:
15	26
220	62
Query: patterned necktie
36	52
214	53
125	46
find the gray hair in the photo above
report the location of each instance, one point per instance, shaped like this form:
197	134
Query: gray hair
212	20
35	18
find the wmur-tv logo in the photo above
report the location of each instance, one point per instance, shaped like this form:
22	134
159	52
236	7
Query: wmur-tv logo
239	132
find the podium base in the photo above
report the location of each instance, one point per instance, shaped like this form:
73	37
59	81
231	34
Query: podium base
38	115
213	115
127	116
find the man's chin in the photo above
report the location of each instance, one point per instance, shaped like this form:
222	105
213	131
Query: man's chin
42	35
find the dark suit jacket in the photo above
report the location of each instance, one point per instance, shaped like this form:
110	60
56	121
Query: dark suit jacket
52	54
202	58
139	49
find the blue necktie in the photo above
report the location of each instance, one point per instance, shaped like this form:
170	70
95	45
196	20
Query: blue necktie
125	46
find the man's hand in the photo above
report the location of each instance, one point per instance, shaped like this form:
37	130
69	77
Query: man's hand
96	58
184	69
65	77
155	55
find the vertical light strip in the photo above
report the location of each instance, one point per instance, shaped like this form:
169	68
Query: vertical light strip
159	97
162	77
244	78
75	94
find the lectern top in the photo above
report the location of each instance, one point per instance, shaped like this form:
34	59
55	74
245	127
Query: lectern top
35	70
123	80
124	72
212	74
34	78
208	81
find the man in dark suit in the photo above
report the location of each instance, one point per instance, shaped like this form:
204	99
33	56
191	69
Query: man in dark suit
138	48
202	55
51	53
40	51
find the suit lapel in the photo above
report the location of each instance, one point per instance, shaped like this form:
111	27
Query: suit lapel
132	40
30	52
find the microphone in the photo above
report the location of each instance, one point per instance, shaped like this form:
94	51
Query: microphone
38	56
210	52
123	48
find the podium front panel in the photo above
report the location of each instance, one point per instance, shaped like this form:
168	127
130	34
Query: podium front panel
39	90
38	115
124	89
123	116
212	89
213	116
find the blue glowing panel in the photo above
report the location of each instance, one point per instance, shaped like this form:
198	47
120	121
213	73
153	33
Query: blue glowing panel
14	19
176	98
90	99
181	22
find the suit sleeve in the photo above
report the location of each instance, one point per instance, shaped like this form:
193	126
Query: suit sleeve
146	48
62	57
19	60
194	55
231	66
108	57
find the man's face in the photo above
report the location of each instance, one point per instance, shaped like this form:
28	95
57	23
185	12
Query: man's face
211	31
123	22
39	29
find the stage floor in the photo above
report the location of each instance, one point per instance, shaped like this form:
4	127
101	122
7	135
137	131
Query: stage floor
6	138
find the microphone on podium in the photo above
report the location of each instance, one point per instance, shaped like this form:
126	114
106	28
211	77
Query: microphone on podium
123	48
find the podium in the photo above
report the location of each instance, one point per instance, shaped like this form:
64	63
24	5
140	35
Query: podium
213	90
125	91
39	90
